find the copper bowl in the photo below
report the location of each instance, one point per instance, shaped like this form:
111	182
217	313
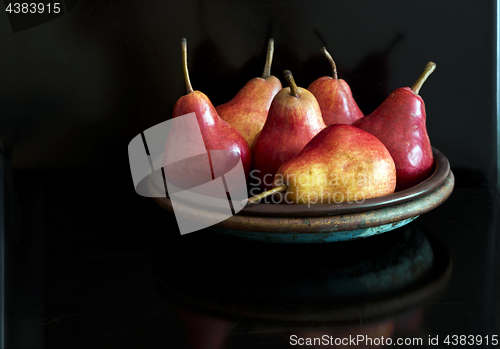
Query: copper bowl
284	223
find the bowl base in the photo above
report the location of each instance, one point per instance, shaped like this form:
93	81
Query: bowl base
320	237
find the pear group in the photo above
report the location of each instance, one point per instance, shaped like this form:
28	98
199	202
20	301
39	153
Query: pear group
313	145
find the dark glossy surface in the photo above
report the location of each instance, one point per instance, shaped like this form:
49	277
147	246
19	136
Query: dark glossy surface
85	253
407	271
106	277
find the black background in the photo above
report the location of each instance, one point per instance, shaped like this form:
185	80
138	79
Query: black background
75	90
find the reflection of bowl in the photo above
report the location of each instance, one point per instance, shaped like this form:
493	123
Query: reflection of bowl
326	222
375	279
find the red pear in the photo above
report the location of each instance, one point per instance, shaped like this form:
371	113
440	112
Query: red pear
294	119
341	164
399	122
335	97
247	111
184	149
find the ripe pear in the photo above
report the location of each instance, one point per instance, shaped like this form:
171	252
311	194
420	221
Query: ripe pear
247	111
294	119
399	122
341	164
335	97
189	163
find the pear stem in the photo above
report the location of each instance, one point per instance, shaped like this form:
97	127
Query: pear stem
429	68
255	199
269	59
332	62
189	87
294	89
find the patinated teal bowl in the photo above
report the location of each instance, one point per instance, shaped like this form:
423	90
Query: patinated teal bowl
321	223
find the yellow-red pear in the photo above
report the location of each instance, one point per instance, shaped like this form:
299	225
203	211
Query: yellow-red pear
247	111
341	164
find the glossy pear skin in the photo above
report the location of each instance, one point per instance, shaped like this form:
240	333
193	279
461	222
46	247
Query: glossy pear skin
399	122
335	100
217	135
341	164
291	123
247	111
